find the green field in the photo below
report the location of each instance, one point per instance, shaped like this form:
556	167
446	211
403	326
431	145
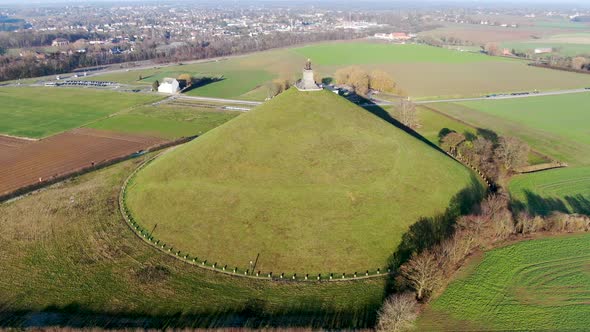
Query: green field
234	84
565	49
431	123
563	115
359	53
553	125
67	250
422	71
530	286
566	190
41	112
310	181
166	120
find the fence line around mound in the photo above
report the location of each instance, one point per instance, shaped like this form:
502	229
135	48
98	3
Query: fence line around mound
87	169
146	236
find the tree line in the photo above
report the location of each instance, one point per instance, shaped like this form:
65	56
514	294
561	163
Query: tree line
451	239
15	67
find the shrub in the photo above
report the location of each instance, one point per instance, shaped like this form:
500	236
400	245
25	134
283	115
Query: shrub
398	313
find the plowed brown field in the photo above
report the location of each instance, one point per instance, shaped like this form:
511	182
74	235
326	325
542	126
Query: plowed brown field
25	163
7	142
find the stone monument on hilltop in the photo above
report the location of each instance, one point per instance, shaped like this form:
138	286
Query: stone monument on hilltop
307	83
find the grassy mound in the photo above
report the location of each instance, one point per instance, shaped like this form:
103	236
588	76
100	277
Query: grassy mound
309	182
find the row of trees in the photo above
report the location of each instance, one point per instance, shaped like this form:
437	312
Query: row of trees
427	273
15	67
497	157
566	62
362	81
493	221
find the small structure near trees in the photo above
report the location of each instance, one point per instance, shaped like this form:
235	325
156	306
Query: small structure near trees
169	85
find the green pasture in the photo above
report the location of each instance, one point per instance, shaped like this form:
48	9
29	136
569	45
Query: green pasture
422	71
536	285
166	121
562	24
307	182
553	125
43	111
566	190
566	49
360	53
67	250
233	84
431	123
563	116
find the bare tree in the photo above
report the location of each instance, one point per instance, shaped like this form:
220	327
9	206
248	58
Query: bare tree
186	78
492	49
496	211
278	86
407	114
381	81
451	141
359	80
398	313
422	272
512	152
341	75
579	62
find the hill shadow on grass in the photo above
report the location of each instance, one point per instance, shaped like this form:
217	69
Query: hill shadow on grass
253	315
201	82
377	110
537	205
429	231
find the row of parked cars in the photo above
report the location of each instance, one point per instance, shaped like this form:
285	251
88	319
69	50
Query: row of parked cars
83	83
494	95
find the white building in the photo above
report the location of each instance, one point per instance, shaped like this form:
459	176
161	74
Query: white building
543	50
169	85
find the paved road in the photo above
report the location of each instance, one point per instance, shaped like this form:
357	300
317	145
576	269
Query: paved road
508	96
379	102
219	100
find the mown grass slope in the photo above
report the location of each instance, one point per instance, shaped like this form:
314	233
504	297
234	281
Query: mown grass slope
531	286
39	112
67	250
309	181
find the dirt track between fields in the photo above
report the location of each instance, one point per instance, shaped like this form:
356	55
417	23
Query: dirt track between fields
25	163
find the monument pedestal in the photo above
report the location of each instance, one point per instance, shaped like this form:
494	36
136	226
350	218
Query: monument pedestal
307	83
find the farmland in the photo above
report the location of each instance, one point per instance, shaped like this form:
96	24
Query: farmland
166	120
566	190
538	284
30	162
376	53
40	112
559	134
457	73
67	250
571	44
